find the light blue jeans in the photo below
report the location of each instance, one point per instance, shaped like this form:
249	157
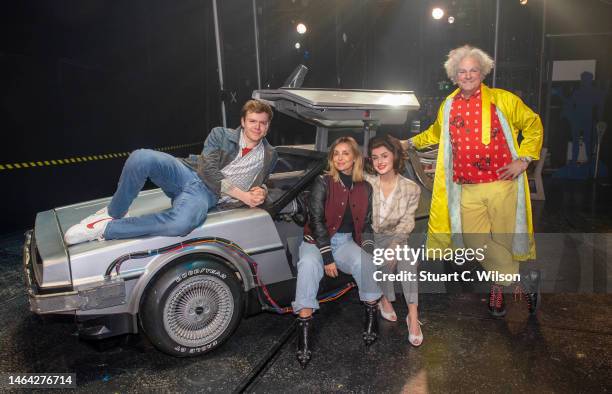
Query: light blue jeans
191	199
349	258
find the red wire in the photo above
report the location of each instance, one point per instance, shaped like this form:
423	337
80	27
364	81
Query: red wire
264	288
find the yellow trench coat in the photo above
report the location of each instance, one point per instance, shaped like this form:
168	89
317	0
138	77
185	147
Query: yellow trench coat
515	116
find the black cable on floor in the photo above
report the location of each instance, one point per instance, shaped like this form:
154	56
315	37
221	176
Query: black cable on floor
266	361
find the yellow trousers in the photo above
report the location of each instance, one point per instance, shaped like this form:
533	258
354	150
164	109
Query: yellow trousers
488	212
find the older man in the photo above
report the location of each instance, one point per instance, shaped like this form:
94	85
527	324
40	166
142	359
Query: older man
481	195
233	166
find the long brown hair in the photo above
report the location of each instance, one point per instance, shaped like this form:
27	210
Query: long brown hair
357	173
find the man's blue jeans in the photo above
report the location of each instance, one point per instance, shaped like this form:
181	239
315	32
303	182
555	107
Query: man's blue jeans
191	199
349	258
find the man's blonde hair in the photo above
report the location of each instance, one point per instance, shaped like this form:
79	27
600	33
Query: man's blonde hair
357	174
456	55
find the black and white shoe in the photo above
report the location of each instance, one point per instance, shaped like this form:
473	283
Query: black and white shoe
370	328
304	336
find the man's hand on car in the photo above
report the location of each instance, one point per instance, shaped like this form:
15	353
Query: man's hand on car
254	197
259	191
257	195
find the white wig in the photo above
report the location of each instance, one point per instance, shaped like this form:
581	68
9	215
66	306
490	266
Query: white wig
456	55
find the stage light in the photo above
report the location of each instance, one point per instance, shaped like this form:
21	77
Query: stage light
451	19
297	45
301	28
437	13
523	2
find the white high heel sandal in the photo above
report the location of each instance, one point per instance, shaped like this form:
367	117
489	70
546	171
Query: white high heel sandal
415	340
390	316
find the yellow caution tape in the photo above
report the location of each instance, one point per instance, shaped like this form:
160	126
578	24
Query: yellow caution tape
81	159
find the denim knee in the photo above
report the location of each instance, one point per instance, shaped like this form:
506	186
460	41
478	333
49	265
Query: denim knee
310	266
140	157
180	226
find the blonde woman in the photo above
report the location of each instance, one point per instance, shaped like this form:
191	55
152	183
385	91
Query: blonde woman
337	236
394	203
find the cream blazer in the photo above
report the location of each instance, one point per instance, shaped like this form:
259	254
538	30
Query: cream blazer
399	221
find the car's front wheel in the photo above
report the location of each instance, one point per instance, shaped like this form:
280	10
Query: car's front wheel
193	307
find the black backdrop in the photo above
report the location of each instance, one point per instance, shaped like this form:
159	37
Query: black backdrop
83	78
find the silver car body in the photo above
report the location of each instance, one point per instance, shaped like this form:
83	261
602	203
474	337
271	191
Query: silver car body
76	279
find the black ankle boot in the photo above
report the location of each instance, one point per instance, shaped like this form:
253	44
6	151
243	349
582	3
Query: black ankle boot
370	328
530	283
304	328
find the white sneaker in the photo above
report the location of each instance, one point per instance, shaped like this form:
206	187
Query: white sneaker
87	230
100	214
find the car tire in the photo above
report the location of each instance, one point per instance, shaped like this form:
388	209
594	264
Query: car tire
193	307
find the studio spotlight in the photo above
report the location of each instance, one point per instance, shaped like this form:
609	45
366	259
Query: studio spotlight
437	13
297	45
301	28
451	19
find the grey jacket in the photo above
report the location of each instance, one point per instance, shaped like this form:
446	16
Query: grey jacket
220	148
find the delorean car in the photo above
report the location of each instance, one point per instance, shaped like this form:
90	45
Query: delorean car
188	294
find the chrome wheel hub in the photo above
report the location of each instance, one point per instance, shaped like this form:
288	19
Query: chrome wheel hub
198	311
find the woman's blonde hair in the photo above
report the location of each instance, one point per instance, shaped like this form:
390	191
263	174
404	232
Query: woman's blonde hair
357	174
458	54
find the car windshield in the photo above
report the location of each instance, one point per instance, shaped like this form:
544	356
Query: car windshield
293	166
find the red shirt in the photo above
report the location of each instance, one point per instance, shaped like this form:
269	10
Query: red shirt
245	151
473	161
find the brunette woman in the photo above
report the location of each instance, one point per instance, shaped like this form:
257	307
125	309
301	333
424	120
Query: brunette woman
395	200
